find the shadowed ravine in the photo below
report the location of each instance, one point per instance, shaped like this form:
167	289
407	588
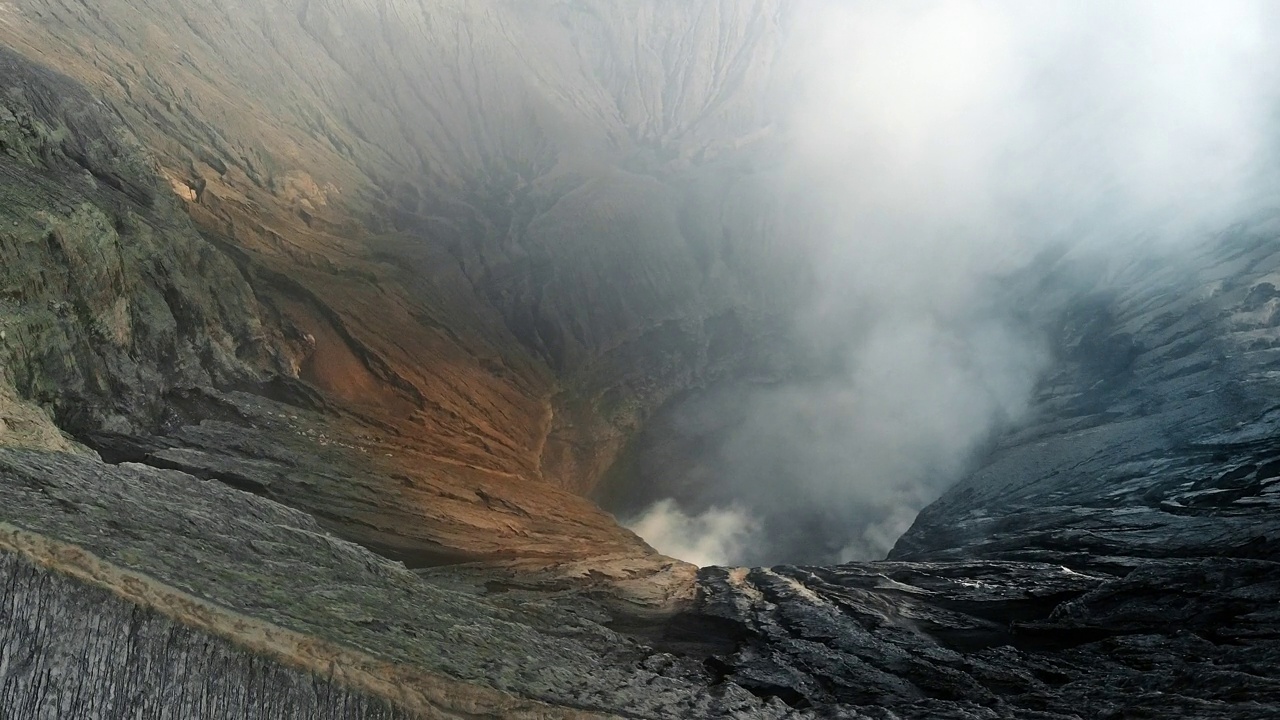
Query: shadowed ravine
329	328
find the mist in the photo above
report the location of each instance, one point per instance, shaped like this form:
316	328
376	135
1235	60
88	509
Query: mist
934	151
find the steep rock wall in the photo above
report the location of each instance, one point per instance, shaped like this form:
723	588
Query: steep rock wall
120	320
504	227
110	297
1155	435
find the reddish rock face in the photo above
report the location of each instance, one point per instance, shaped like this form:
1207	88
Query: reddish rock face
486	250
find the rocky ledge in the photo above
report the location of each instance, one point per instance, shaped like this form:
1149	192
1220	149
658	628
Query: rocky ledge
99	559
1115	558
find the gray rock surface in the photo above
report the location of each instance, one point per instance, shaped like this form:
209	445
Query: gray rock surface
108	295
979	638
1155	435
1186	638
72	651
261	560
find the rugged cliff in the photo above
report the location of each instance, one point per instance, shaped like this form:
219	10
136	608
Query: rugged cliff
319	319
1116	557
499	243
486	216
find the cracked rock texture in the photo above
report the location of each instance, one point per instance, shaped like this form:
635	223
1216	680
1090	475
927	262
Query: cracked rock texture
72	651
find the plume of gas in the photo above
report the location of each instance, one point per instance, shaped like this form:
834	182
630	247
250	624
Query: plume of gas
937	149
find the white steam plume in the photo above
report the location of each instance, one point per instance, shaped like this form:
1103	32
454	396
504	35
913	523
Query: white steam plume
713	537
936	147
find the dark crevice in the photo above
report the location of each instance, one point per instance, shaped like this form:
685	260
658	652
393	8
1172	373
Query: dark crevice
118	449
230	479
692	635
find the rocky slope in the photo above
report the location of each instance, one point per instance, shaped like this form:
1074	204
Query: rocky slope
110	295
319	318
1154	435
120	320
445	196
502	247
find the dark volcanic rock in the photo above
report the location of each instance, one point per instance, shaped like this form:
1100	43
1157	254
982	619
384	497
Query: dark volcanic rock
952	639
1115	557
1172	455
356	616
73	651
1005	639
